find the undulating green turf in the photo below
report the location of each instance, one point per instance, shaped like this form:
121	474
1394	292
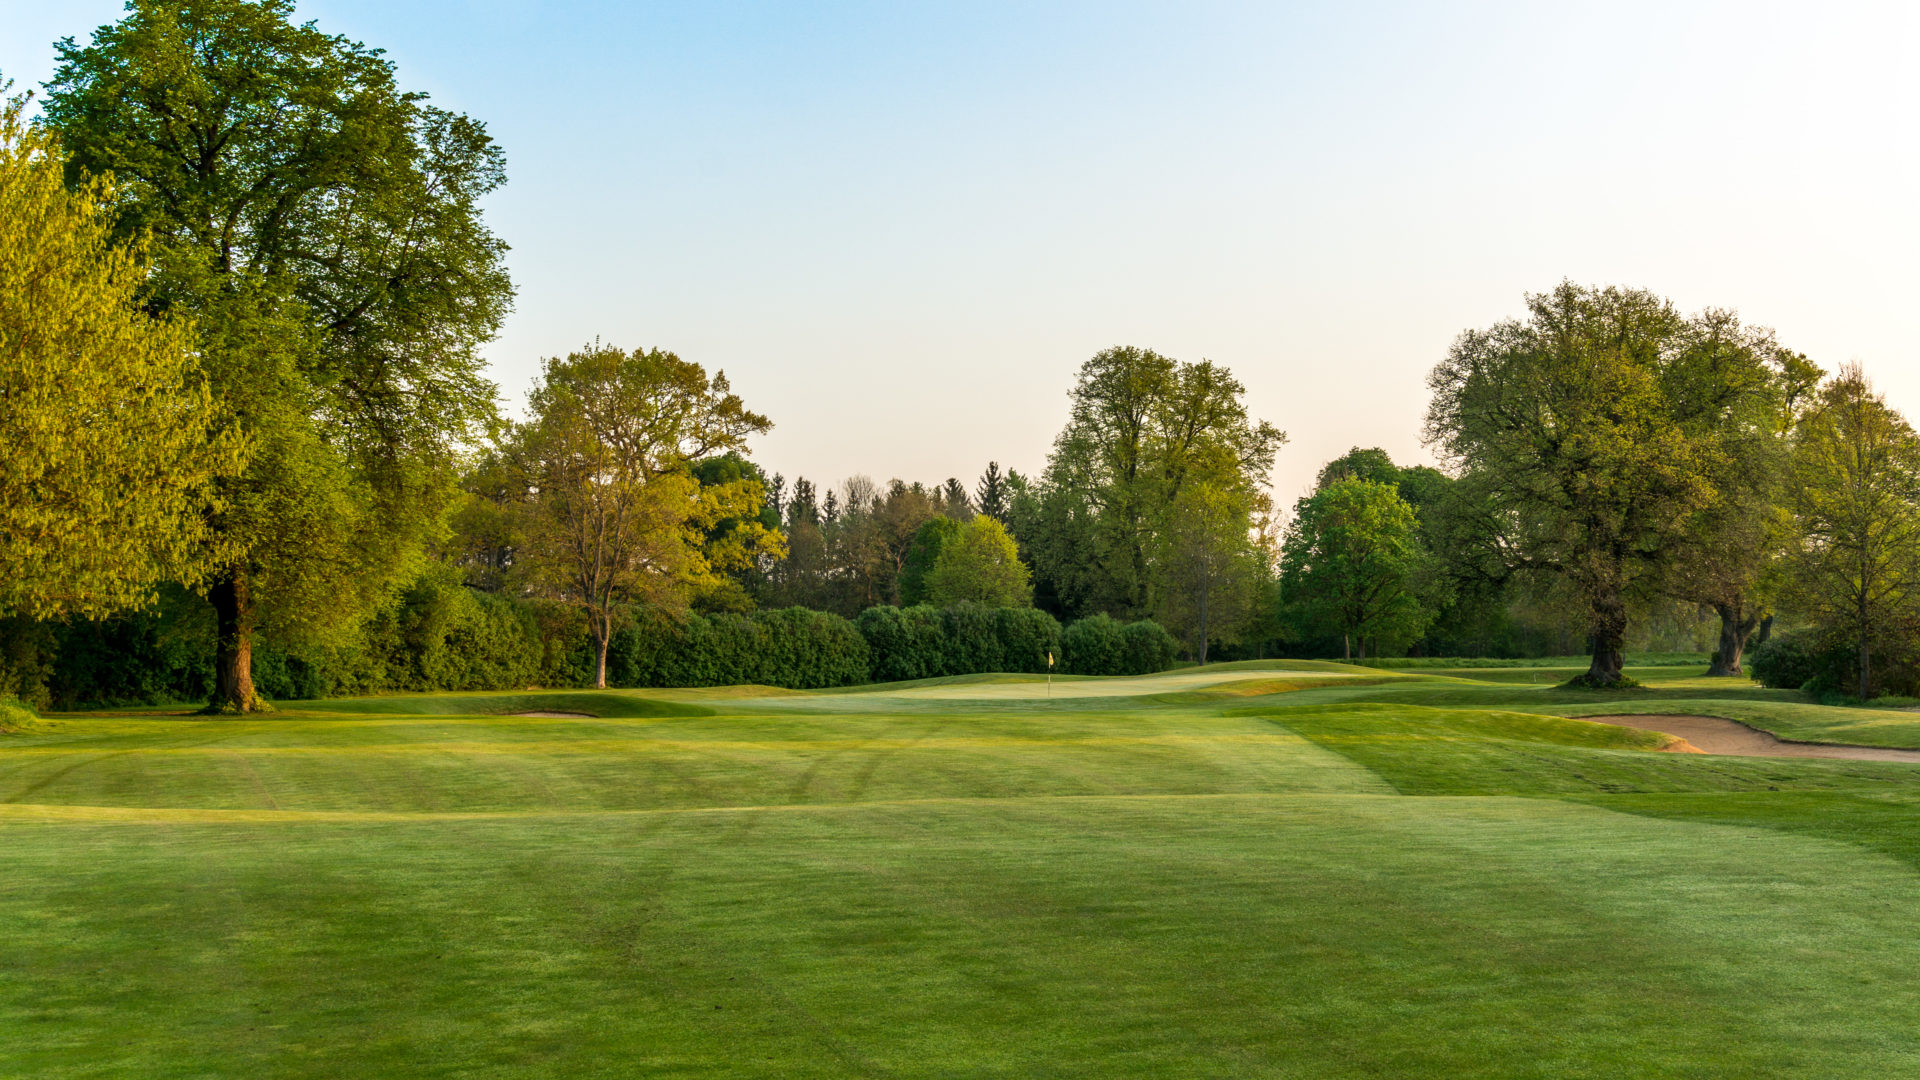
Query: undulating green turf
1264	869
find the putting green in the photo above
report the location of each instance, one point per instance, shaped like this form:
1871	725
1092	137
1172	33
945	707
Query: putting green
1230	872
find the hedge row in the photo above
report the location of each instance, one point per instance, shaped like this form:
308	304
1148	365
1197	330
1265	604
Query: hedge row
440	636
1102	645
923	642
796	648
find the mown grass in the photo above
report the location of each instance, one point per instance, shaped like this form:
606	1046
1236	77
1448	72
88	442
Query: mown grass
1245	870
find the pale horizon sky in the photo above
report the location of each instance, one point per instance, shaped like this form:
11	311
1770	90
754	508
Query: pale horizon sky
900	229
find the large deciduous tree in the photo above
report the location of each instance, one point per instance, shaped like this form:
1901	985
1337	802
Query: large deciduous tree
108	451
1569	420
323	229
980	562
615	515
1738	393
1142	429
1211	568
1352	564
1855	492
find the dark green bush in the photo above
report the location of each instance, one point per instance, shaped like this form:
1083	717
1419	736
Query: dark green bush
1793	660
962	639
1092	646
972	633
1146	647
904	643
1026	635
795	648
1102	645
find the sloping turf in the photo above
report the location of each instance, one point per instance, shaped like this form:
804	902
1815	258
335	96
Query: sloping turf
1248	870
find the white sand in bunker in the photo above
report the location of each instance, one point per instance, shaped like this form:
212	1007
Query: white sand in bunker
1717	735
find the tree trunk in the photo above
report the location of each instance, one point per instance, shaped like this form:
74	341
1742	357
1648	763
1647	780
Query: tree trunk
1346	641
602	637
1203	626
1609	636
1736	626
1866	666
233	646
1765	632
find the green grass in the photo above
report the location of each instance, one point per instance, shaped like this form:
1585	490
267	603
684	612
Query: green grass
1257	869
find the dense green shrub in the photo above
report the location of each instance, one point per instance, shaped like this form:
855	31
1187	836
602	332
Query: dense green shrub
962	639
795	647
1146	647
434	636
1092	646
15	715
1828	663
807	650
1027	635
904	643
1791	660
1102	645
972	639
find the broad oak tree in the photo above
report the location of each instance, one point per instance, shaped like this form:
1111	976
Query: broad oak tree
108	443
322	228
1570	422
614	513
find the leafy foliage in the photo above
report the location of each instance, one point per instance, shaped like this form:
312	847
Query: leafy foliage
108	442
614	513
322	228
1578	424
1354	565
1855	494
980	563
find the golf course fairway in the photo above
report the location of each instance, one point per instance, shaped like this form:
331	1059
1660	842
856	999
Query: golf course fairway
1281	869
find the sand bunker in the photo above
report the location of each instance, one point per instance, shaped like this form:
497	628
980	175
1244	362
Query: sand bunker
559	715
1715	735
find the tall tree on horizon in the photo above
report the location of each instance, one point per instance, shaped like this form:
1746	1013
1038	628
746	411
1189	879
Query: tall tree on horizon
615	514
1571	422
1855	492
991	495
1740	395
1142	428
1353	564
322	228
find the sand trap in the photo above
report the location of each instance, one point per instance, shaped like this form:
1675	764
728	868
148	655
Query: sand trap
559	715
1715	735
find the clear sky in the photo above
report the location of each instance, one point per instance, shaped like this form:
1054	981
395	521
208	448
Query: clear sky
900	228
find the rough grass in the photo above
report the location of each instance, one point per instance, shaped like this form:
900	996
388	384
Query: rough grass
1229	871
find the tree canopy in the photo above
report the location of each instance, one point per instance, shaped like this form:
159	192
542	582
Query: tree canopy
322	228
1143	427
108	445
980	562
1581	424
1353	565
615	515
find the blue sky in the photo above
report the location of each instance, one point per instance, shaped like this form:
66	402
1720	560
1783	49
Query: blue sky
901	227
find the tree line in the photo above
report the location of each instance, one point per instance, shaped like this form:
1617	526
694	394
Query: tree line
245	279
